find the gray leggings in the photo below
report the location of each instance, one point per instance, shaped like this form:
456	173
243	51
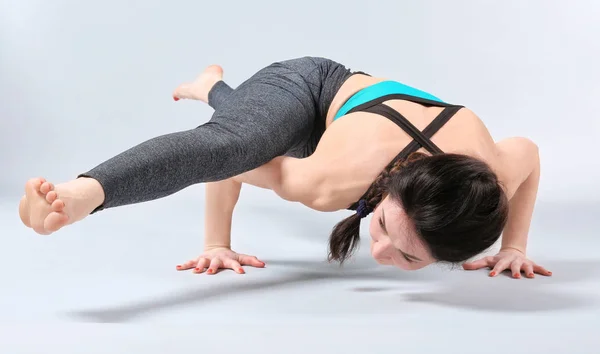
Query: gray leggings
280	110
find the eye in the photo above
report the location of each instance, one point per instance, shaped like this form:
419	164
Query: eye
405	257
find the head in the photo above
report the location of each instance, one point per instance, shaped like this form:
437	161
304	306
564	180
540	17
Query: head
428	209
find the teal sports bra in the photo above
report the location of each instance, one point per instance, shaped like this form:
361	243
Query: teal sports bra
381	89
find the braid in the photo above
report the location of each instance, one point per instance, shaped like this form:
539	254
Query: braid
345	235
378	188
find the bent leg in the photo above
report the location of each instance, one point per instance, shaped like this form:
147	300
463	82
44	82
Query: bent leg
219	94
263	118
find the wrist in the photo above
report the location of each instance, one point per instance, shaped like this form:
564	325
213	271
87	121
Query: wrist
513	248
213	246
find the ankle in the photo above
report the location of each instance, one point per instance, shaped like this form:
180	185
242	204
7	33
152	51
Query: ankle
88	189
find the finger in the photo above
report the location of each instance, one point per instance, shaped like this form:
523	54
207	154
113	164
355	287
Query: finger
541	270
528	269
235	265
480	263
251	261
515	268
215	264
202	263
500	266
187	265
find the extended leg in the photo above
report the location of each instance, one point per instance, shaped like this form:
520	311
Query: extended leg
262	119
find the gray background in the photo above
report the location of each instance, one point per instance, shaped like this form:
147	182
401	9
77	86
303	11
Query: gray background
81	81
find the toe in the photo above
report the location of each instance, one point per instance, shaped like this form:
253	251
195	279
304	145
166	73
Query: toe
58	205
46	187
33	185
51	197
182	92
55	221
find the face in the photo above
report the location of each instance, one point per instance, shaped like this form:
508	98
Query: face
392	240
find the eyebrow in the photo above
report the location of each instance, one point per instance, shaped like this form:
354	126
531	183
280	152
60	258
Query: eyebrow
386	232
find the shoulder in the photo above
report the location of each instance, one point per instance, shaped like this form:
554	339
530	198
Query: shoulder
516	157
512	159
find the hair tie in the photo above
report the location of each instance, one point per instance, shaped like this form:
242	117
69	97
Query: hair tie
363	209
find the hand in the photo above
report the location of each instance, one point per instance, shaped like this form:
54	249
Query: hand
221	258
508	258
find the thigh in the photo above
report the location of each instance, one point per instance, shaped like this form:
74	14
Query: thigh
275	110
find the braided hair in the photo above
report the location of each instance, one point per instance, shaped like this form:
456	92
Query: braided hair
345	236
456	203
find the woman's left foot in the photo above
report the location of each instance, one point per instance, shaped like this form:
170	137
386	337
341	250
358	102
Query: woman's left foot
199	88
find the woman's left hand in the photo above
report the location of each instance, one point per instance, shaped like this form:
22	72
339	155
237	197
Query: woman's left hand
510	259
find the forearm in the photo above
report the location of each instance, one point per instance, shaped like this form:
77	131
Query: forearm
521	211
221	198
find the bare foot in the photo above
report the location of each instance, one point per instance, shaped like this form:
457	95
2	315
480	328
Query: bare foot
46	208
199	88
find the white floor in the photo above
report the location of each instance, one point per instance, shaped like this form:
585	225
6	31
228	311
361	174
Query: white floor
108	284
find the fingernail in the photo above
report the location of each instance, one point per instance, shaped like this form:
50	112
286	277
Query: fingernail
197	269
492	274
517	275
241	270
531	275
175	98
178	266
210	271
549	273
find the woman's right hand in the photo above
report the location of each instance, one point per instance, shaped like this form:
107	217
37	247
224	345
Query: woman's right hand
221	258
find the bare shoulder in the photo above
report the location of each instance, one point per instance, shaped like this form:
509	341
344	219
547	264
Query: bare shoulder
512	158
516	158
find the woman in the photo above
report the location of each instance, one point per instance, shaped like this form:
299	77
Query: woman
316	133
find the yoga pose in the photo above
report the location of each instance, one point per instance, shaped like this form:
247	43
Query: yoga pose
439	188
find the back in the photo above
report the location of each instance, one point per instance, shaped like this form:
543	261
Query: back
357	147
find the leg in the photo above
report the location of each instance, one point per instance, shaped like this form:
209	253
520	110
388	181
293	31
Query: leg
208	87
265	117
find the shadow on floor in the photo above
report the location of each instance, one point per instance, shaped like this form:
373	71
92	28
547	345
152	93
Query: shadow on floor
467	290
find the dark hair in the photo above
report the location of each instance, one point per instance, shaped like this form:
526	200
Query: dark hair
455	203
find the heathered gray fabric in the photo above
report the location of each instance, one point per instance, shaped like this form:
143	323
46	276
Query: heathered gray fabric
280	110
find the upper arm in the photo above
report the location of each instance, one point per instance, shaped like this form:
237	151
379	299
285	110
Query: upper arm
302	181
518	158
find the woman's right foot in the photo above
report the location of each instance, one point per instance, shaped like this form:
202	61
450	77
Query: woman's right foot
199	88
46	208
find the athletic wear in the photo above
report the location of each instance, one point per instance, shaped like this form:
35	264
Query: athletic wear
281	110
371	99
381	89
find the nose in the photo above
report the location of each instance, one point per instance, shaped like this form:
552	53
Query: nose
381	247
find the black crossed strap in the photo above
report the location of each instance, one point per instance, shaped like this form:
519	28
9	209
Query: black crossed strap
421	138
